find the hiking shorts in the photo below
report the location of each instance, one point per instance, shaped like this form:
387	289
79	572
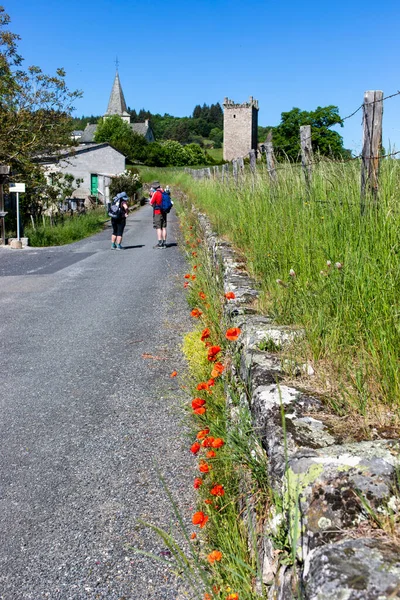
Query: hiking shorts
160	221
118	226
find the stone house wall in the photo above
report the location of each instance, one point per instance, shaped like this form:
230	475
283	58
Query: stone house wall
240	128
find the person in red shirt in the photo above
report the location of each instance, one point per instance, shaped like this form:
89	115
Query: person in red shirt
159	217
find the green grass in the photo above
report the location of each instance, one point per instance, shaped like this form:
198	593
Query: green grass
71	229
351	313
216	153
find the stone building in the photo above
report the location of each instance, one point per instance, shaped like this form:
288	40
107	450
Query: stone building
240	128
117	106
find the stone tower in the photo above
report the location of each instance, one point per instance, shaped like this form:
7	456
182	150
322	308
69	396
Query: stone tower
116	103
240	128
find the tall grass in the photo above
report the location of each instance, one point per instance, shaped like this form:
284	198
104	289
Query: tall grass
344	284
71	229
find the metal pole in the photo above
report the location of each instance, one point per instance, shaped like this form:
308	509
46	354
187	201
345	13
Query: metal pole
18	236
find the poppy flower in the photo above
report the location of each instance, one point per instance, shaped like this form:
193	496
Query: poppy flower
197	483
202	433
211	454
233	333
204	467
210	382
205	334
207	597
194	448
230	295
193	277
199	411
174	374
217	490
196	313
202	386
197	402
187	276
202	295
234	596
208	501
194	266
213	556
218	369
193	536
199	518
212	353
217	443
207	442
185	285
194	253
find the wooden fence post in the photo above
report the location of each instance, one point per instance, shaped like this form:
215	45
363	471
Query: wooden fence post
225	172
253	159
235	170
372	144
269	152
306	152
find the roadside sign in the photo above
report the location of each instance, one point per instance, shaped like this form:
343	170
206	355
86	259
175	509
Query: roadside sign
17	187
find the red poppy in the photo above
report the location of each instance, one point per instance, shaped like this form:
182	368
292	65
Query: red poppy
199	411
197	483
197	402
217	443
207	597
210	382
202	386
213	556
187	276
196	313
202	295
205	334
202	433
207	442
193	277
194	448
218	369
185	285
234	596
174	374
209	502
194	253
230	295
194	266
193	536
217	490
199	518
203	467
233	333
212	353
211	454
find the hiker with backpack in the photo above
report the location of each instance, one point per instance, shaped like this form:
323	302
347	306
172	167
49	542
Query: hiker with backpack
162	204
118	211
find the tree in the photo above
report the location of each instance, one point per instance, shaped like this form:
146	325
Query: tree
217	136
35	108
119	134
286	136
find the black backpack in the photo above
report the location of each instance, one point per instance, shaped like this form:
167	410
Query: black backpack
114	209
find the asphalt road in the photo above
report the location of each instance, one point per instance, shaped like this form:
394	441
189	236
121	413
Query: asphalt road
90	418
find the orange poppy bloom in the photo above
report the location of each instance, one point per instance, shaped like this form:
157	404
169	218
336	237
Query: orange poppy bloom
207	442
202	433
194	448
202	295
193	536
197	483
196	313
230	295
234	596
217	443
207	597
218	369
174	374
217	490
199	411
213	556
211	454
194	266
204	467
212	353
207	501
197	402
187	276
233	333
205	334
210	382
199	518
193	277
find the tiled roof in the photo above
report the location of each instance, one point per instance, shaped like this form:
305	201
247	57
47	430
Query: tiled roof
88	133
116	103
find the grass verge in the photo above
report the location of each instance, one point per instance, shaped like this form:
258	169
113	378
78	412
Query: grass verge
71	229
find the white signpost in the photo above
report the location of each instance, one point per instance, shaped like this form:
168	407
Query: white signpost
17	188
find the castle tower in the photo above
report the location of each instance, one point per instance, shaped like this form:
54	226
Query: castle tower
116	103
240	128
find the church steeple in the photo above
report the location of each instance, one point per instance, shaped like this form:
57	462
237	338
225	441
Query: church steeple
116	103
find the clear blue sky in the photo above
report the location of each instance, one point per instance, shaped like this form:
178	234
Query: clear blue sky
174	55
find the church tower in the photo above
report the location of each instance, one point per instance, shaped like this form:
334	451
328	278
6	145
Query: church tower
116	103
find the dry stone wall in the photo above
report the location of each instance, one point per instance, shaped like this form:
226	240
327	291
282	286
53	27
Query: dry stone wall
327	489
